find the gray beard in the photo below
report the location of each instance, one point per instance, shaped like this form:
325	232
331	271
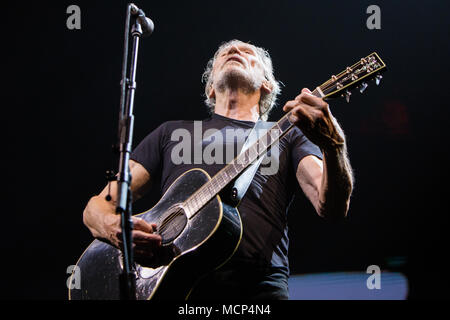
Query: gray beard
236	80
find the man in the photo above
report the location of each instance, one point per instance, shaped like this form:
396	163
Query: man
240	89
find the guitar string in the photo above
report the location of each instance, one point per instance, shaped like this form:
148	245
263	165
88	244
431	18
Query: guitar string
338	77
344	73
334	86
327	85
168	219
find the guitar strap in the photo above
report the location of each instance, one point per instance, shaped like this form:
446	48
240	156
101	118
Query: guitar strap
242	183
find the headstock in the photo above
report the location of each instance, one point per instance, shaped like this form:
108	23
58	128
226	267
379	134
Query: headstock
357	75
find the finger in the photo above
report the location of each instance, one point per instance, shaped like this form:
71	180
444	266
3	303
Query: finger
299	113
290	105
140	237
144	236
140	224
311	100
305	91
301	117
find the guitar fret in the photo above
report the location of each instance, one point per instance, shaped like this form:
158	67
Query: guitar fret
238	167
317	92
188	208
268	138
253	152
284	124
231	171
222	179
211	188
272	135
245	157
205	195
264	146
214	187
194	202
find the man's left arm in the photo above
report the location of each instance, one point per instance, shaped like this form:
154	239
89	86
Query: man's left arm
328	184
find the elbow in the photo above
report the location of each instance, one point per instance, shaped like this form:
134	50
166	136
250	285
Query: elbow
334	213
88	219
87	222
86	213
334	206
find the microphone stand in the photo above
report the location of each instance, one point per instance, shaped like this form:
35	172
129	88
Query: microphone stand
126	122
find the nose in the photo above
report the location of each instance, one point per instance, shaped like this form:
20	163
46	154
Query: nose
234	49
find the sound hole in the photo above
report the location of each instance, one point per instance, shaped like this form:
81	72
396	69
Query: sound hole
172	224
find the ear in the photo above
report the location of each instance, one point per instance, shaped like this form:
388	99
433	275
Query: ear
266	87
211	93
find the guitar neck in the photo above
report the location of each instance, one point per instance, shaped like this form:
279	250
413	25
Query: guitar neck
258	149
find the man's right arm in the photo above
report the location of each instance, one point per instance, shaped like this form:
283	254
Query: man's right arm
101	219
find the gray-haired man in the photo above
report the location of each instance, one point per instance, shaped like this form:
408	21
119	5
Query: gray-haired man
240	89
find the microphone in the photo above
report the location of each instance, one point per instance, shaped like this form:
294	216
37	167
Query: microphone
146	23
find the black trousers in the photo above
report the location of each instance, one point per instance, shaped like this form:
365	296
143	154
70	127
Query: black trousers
242	282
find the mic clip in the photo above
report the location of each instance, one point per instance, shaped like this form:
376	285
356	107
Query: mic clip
110	176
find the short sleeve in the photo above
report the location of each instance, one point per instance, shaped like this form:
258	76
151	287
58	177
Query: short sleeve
301	147
149	152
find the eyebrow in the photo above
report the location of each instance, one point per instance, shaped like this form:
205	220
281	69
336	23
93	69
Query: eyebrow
246	46
242	46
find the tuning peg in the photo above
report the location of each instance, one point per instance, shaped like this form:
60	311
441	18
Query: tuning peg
347	95
378	79
363	87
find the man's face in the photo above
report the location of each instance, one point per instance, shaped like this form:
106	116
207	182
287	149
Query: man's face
238	66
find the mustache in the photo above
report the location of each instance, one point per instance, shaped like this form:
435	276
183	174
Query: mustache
237	58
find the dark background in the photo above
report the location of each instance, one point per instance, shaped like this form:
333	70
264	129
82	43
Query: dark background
61	101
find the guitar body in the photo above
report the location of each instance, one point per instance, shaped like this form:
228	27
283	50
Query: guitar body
191	248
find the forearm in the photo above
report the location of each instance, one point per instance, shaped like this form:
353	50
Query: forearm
337	182
99	215
328	185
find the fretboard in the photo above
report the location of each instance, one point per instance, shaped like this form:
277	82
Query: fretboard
258	149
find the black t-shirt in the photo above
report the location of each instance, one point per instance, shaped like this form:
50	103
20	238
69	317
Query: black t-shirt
177	146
